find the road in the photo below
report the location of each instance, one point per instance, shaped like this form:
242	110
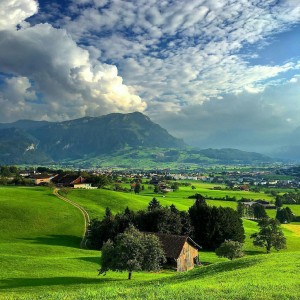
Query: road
82	210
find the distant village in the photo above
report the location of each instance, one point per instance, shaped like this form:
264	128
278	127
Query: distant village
234	180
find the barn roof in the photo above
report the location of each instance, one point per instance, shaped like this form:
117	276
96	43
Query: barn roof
173	244
68	179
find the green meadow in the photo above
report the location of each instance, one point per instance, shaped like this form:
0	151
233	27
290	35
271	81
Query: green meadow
40	256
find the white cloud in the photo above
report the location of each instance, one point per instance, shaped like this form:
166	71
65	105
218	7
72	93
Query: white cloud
68	81
14	12
185	51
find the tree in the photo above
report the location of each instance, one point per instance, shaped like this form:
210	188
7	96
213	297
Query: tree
175	186
230	249
259	212
100	181
186	227
270	235
137	188
101	231
199	199
278	201
156	189
160	219
241	209
284	215
213	225
153	204
132	251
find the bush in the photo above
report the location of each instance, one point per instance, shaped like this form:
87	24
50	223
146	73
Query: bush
230	249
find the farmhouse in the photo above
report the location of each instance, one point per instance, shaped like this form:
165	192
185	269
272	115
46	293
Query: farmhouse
181	251
41	179
74	181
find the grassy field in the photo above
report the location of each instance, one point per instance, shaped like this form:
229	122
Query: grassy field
118	201
40	256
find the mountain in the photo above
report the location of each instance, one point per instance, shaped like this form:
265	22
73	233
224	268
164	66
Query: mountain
24	124
102	135
82	138
129	140
19	147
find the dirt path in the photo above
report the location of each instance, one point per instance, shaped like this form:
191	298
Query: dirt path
82	210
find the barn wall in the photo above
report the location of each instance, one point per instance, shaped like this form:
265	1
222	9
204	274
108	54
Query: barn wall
185	261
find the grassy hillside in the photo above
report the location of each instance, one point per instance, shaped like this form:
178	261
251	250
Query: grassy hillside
261	277
95	202
40	255
39	246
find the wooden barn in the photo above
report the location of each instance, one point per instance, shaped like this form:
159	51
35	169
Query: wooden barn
181	251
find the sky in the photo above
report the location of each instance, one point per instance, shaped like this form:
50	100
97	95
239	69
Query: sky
217	73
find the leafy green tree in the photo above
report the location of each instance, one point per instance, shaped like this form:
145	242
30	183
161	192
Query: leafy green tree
174	209
259	212
270	235
137	188
230	249
175	186
284	215
100	181
132	251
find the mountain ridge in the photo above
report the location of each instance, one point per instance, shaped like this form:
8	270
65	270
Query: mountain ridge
88	138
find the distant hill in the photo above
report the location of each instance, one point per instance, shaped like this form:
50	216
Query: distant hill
129	140
235	155
291	149
24	124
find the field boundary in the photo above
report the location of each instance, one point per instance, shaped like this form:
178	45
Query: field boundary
85	214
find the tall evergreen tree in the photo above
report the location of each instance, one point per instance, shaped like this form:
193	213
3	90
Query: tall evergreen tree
212	225
153	204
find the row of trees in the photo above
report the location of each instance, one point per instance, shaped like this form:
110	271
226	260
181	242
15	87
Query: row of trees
208	226
255	211
155	219
288	198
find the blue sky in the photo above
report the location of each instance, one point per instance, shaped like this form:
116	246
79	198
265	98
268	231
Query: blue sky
217	73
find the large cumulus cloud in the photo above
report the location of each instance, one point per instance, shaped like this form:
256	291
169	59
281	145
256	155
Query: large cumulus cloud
62	79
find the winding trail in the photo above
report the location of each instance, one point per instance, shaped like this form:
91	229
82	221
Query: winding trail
82	210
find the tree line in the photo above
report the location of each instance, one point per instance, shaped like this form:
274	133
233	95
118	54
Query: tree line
209	226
